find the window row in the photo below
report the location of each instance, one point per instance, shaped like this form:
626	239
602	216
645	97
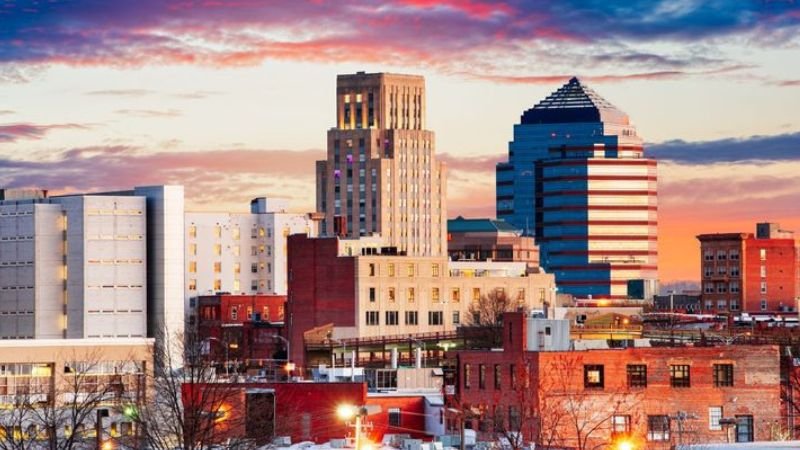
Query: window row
392	318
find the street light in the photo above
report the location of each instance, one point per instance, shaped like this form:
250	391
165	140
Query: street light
347	413
225	345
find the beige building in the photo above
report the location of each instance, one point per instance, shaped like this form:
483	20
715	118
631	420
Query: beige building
72	379
381	174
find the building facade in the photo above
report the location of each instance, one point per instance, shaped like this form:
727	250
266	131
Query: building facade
381	174
365	290
100	265
240	253
242	327
578	180
650	397
754	273
489	240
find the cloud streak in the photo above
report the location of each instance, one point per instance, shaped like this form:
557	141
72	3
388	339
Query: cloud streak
20	131
783	147
451	36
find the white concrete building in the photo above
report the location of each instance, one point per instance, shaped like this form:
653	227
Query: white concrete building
73	267
100	265
241	252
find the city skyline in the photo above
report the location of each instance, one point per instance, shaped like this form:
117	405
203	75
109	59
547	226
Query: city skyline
232	99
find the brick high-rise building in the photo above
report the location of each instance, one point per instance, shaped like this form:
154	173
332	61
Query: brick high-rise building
750	273
381	174
577	178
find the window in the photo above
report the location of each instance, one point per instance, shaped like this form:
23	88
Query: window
410	270
722	255
734	287
391	269
411	318
498	377
521	294
234	313
217	231
621	424
763	305
722	270
679	375
237	285
658	428
192	266
512	375
763	287
455	295
723	375
435	295
411	295
391	295
192	284
763	254
456	317
192	231
372	318
481	376
637	375
392	318
476	294
722	288
734	304
763	271
254	285
735	271
193	249
467	376
708	288
714	414
435	318
237	267
708	271
744	428
372	269
593	376
372	295
394	417
734	255
235	233
708	255
217	285
435	270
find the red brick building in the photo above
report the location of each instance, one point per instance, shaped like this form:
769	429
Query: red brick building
653	397
302	411
757	274
245	324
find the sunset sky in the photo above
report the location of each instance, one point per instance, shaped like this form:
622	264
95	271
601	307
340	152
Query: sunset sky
232	98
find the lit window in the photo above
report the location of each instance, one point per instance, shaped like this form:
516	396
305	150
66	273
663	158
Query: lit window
455	295
411	295
679	375
435	270
391	295
193	231
637	375
435	295
593	376
234	313
217	231
192	266
621	424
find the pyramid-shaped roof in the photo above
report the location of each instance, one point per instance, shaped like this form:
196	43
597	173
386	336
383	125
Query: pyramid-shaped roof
574	102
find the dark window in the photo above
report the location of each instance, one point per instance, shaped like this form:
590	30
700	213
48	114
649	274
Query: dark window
394	417
498	376
637	375
657	428
593	376
392	318
467	376
512	373
744	428
372	318
723	375
372	294
481	376
679	375
435	318
411	317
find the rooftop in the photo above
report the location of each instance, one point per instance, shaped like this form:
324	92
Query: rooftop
462	225
574	102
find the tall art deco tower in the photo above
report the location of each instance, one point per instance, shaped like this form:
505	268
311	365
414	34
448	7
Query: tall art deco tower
381	175
577	178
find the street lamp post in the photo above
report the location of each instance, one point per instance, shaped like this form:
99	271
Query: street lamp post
359	413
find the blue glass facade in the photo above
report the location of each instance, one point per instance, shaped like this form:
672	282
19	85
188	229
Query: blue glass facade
576	178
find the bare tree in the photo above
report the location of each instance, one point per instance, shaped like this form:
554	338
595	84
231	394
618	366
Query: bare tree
58	408
486	315
191	407
572	415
